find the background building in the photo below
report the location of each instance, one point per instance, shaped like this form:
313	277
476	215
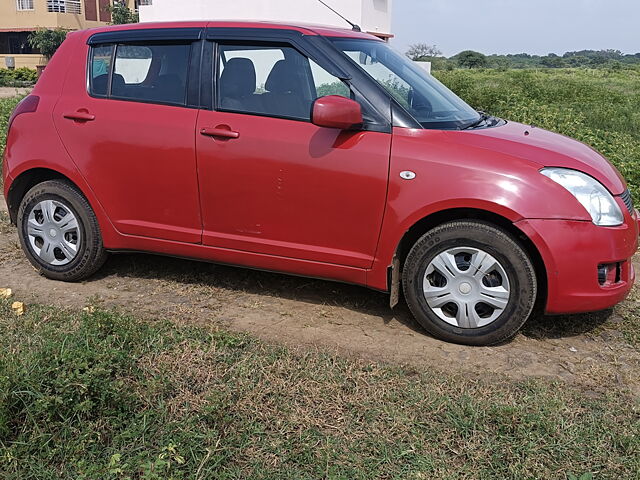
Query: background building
20	17
373	16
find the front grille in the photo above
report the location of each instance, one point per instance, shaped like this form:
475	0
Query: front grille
628	201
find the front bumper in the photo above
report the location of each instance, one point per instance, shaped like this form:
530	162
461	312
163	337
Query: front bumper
572	250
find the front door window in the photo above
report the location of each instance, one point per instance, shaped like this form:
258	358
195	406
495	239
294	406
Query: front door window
275	81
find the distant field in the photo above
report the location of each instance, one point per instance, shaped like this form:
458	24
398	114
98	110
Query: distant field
598	107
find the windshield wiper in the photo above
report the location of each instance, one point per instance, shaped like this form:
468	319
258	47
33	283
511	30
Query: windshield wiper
483	118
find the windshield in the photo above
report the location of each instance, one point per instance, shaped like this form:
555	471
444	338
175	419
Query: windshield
429	101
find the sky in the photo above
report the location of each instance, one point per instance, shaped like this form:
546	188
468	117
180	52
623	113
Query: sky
515	26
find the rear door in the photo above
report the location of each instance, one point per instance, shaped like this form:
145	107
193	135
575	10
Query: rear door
125	118
284	186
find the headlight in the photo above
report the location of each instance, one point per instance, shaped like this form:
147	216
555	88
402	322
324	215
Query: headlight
590	193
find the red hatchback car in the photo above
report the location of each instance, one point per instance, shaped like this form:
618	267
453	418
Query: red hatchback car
318	152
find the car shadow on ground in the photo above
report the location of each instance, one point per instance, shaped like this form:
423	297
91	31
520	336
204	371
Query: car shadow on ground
314	291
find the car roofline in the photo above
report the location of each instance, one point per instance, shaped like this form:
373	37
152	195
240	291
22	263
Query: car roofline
305	29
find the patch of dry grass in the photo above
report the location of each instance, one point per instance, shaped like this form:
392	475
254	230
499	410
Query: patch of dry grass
102	395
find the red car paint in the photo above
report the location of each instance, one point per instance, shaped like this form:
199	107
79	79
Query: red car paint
169	180
334	111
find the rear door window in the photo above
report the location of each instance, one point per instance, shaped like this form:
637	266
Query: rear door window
101	58
133	63
153	73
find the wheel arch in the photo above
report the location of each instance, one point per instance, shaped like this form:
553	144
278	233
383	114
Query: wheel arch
435	219
28	179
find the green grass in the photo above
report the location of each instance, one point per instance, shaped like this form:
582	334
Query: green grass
105	396
598	107
629	312
6	107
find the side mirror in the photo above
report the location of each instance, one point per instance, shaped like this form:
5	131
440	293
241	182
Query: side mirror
334	111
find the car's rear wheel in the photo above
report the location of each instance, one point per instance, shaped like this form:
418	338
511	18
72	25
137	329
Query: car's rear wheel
469	282
59	232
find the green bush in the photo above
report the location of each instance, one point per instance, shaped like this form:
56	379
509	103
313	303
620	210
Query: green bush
335	88
17	77
6	107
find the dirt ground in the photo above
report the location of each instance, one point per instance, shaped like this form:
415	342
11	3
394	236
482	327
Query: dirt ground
6	92
586	350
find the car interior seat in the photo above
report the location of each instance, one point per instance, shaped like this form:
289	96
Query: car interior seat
284	94
237	86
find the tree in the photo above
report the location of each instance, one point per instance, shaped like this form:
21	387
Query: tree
471	59
498	62
121	13
441	63
552	61
47	41
420	51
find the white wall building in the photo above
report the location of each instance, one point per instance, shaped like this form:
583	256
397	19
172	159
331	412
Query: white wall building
373	16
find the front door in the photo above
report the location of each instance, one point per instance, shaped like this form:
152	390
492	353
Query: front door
271	182
132	137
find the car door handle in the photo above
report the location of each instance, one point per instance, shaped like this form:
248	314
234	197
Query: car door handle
80	116
219	132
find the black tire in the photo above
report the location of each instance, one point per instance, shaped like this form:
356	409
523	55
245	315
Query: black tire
90	255
490	239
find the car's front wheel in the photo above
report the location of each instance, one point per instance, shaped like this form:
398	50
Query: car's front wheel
59	232
469	282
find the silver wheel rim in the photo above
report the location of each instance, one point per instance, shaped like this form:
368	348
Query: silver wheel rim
466	287
53	232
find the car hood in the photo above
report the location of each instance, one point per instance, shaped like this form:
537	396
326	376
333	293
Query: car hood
544	149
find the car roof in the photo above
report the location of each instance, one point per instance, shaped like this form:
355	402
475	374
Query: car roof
307	29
